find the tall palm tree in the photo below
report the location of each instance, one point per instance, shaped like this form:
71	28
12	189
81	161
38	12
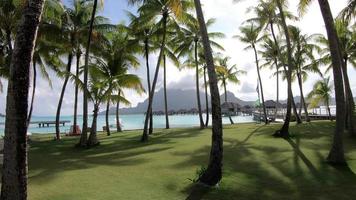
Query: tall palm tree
321	93
250	35
83	137
145	33
270	53
349	11
160	11
336	154
225	74
213	173
190	41
14	171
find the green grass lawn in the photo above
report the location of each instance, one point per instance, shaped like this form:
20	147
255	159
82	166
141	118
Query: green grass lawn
256	166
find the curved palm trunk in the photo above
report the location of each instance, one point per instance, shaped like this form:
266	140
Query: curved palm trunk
260	82
93	140
350	104
206	99
107	118
336	154
228	113
144	137
197	84
58	114
33	92
213	173
295	111
75	115
303	103
83	137
14	168
118	125
284	131
165	90
150	130
328	108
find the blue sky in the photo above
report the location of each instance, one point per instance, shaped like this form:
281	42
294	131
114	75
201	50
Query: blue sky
229	17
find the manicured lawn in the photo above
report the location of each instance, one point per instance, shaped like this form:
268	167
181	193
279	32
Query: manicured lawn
256	166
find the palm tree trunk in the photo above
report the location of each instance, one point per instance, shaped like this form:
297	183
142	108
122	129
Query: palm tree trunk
329	112
260	82
336	154
33	92
107	118
350	104
14	168
165	90
277	97
150	131
295	111
206	99
284	131
213	173
75	115
118	125
303	103
144	137
58	114
228	112
83	138
93	140
197	84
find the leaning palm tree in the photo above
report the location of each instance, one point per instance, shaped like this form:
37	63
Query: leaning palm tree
14	169
213	173
225	74
321	93
250	35
336	154
189	41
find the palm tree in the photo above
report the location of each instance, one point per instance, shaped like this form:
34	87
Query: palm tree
250	35
165	11
14	171
336	154
321	93
145	33
190	41
118	57
349	11
303	51
213	173
225	74
270	54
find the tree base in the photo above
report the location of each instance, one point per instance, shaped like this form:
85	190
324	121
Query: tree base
281	134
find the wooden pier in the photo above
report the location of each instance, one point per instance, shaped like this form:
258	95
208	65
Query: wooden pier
48	123
259	116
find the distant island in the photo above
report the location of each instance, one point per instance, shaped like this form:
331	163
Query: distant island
2	115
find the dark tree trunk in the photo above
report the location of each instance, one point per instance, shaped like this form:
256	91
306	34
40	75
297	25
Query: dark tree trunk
350	104
197	84
213	174
329	112
107	118
295	111
303	103
284	131
93	140
260	83
33	92
144	137
228	113
14	168
336	154
58	114
277	98
150	129
206	99
118	125
75	115
83	138
165	91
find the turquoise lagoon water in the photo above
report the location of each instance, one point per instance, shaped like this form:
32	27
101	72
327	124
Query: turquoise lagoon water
129	122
